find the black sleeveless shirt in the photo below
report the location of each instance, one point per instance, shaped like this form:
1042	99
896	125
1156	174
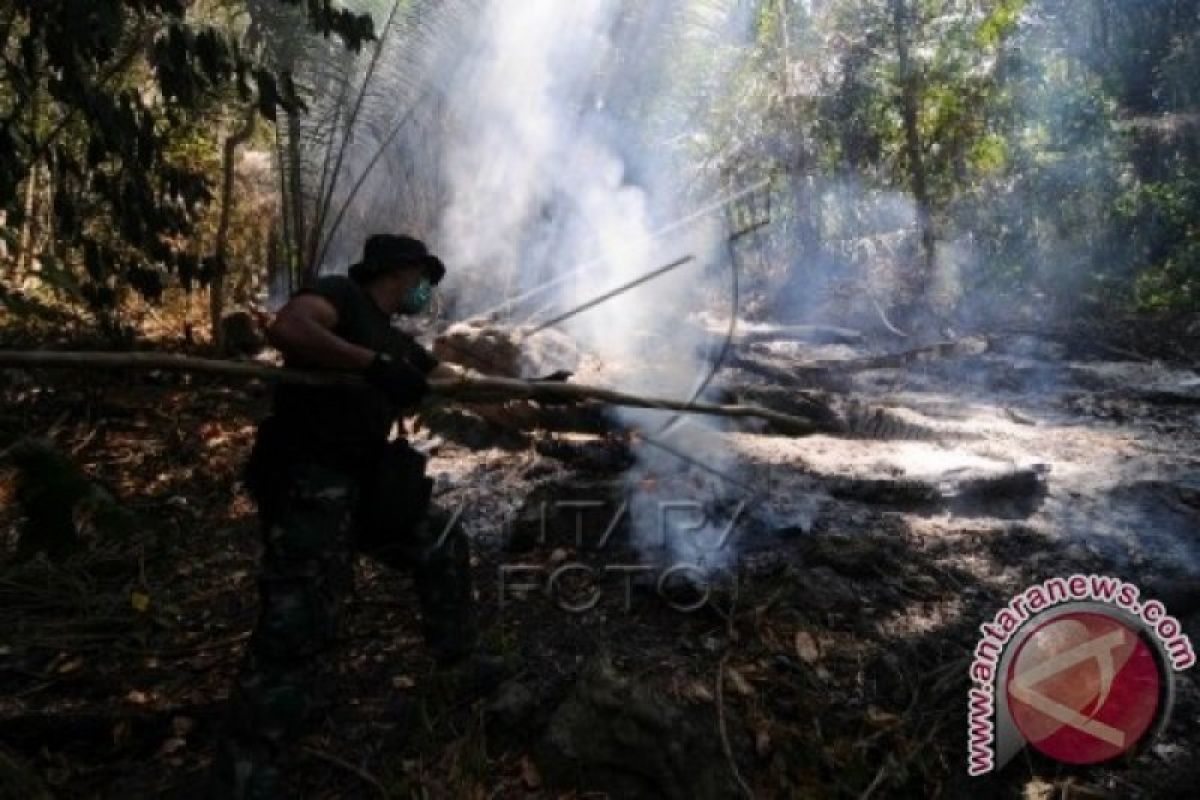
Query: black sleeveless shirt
346	426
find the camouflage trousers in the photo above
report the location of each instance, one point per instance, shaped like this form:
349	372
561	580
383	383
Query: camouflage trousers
310	542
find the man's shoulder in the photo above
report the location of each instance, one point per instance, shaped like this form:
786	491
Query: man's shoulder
340	290
332	283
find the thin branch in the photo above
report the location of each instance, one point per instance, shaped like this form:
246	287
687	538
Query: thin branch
609	295
327	162
362	178
723	729
285	209
362	774
229	173
351	121
893	765
883	317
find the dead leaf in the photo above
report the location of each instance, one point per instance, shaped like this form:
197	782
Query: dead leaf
137	697
172	745
529	774
121	732
140	601
738	682
806	647
72	665
1037	789
699	692
403	682
880	718
762	741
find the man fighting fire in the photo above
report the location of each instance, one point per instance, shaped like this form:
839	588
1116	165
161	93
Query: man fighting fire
330	484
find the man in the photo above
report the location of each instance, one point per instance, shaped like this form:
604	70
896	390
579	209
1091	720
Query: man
329	484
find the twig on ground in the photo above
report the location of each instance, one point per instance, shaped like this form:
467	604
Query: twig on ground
50	434
883	317
891	764
1121	351
362	774
879	776
724	730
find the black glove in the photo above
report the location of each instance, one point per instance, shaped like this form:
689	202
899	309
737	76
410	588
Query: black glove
403	384
561	376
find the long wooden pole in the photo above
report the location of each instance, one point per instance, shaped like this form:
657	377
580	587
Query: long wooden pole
479	390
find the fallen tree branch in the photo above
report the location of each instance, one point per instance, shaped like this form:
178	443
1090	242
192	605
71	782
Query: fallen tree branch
883	317
479	390
960	347
805	334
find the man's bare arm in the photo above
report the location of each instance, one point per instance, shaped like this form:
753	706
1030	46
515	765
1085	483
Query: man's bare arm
303	331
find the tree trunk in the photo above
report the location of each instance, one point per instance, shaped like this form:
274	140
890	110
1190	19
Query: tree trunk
216	291
25	243
296	190
1103	26
285	214
277	278
913	153
785	47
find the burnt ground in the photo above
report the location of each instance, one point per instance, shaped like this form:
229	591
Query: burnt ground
828	659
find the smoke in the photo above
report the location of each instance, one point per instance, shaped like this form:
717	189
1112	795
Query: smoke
1028	179
548	150
548	182
538	137
373	140
558	179
543	145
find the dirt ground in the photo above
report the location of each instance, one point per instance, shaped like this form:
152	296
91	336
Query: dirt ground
826	654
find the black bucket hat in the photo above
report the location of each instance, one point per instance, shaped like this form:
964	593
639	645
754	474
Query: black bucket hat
385	252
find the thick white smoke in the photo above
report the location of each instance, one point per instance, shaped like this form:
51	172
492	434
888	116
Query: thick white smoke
554	179
542	146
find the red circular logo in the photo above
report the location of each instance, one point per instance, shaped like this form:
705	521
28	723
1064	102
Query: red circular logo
1084	688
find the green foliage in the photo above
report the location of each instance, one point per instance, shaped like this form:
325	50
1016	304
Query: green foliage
1059	137
999	23
353	29
114	111
989	155
1161	220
